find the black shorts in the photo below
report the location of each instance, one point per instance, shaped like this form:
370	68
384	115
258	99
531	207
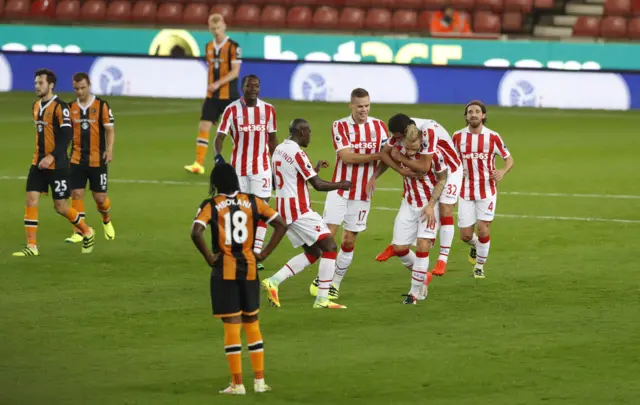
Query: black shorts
97	176
212	108
234	297
40	181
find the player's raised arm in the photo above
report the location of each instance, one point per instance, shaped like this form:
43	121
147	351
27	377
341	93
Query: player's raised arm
203	218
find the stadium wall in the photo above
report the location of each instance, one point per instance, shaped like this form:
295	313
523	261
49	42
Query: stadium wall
314	81
327	47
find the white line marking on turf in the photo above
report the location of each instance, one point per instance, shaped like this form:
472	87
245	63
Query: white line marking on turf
532	194
516	216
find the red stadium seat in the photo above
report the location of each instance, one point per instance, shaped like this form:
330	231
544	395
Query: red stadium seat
633	28
357	3
463	5
224	9
119	11
309	3
325	18
1	7
512	21
613	27
352	19
273	16
617	7
587	27
491	5
196	14
411	4
16	9
523	6
43	9
435	4
485	22
68	10
144	11
247	15
300	17
424	20
93	10
390	4
170	13
404	20
378	19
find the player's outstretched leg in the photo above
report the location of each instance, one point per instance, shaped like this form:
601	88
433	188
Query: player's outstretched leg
77	203
447	231
326	271
88	239
103	204
293	267
468	236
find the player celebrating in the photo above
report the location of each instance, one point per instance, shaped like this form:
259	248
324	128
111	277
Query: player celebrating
92	150
235	288
434	136
224	57
293	170
50	164
357	140
251	123
478	146
417	220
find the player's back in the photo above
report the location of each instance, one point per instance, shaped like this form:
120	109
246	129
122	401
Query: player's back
292	169
249	128
236	217
439	133
367	138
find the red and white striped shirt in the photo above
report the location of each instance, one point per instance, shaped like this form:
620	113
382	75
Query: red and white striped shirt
417	191
434	135
478	152
249	128
292	169
363	139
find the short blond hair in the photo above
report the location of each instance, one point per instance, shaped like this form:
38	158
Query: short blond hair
216	18
412	135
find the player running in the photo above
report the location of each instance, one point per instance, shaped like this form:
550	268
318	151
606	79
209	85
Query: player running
434	136
478	146
235	288
252	125
92	151
357	140
293	170
417	219
224	57
50	164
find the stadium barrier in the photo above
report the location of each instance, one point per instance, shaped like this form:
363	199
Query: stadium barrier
332	82
325	47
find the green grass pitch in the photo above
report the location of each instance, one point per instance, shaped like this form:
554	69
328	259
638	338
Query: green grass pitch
555	322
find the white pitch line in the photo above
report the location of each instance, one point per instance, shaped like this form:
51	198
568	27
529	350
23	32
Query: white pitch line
515	216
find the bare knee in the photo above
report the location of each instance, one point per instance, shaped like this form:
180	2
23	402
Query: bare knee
77	194
60	207
349	240
99	198
205	126
446	210
483	228
423	245
466	234
249	318
32	199
400	248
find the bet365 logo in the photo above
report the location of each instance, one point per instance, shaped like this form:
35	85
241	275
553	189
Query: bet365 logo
253	128
364	145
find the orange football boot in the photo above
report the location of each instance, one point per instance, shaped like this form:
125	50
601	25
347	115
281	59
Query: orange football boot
386	254
440	269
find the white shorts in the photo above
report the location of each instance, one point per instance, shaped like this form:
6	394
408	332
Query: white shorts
452	188
408	226
469	212
351	214
256	184
307	229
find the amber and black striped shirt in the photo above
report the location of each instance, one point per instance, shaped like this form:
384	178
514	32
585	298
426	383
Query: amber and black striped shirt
52	126
233	219
220	58
89	138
